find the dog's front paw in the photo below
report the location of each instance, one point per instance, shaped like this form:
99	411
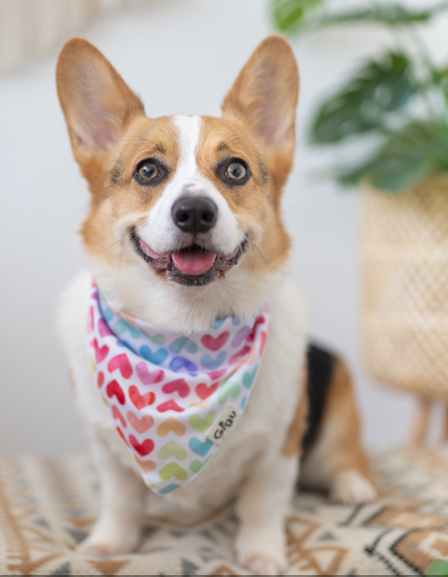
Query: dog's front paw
259	564
352	488
107	542
261	552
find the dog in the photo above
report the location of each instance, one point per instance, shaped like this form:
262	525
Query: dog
184	230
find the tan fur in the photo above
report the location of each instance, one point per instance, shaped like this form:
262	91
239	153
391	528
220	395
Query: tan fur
337	446
292	446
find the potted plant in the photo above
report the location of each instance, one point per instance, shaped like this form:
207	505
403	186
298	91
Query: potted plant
398	102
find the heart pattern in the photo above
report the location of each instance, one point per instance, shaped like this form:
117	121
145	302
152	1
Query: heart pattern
200	448
140	401
200	424
146	377
143	448
172	449
103	328
211	364
100	353
214	344
173	470
123	325
113	389
203	391
169	406
167	392
156	358
117	415
179	363
231	388
177	346
140	425
180	386
122	363
171	424
248	378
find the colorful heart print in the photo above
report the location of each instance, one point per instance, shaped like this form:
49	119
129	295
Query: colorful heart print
113	389
180	363
200	448
172	449
146	466
144	448
140	425
167	393
214	344
122	363
169	406
178	386
248	378
140	401
230	388
203	391
103	328
100	353
116	414
156	358
123	325
173	470
171	425
149	378
202	424
177	346
211	364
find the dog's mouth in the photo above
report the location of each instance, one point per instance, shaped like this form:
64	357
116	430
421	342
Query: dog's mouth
191	266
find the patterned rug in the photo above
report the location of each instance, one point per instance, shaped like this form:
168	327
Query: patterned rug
47	506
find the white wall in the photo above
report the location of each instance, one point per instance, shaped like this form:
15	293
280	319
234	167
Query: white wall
181	56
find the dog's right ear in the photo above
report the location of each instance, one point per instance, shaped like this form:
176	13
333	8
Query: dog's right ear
95	100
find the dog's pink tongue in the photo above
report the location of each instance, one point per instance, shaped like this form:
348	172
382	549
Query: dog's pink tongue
193	262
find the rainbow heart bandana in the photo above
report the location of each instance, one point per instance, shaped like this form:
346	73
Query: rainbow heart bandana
173	398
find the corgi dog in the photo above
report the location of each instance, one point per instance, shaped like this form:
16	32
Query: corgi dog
184	229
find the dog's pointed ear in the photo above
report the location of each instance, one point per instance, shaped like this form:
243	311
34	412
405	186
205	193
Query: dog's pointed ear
265	94
95	100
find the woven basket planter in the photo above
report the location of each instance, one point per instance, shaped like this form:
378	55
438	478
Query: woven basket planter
404	258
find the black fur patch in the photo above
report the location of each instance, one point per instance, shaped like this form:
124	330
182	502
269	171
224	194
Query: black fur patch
320	371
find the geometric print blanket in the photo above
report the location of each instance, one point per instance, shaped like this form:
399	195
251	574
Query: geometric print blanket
48	504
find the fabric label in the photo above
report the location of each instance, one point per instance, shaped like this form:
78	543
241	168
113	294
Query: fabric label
225	422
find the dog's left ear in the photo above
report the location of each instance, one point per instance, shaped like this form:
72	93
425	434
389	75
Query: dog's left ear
265	94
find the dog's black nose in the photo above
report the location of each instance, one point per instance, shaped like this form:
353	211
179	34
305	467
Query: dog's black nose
194	213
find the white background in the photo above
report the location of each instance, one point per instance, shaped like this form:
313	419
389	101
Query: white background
181	56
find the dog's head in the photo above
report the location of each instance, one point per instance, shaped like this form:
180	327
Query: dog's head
185	210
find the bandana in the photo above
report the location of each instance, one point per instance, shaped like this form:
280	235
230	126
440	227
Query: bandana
173	398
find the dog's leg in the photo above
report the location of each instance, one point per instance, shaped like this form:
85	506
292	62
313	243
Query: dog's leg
262	507
117	530
337	461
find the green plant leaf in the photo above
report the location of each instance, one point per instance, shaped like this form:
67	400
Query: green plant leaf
379	87
291	15
387	13
418	150
438	567
288	15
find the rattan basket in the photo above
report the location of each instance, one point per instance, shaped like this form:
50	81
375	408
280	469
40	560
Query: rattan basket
404	255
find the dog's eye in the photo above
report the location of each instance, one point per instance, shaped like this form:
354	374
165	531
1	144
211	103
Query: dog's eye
149	171
236	171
